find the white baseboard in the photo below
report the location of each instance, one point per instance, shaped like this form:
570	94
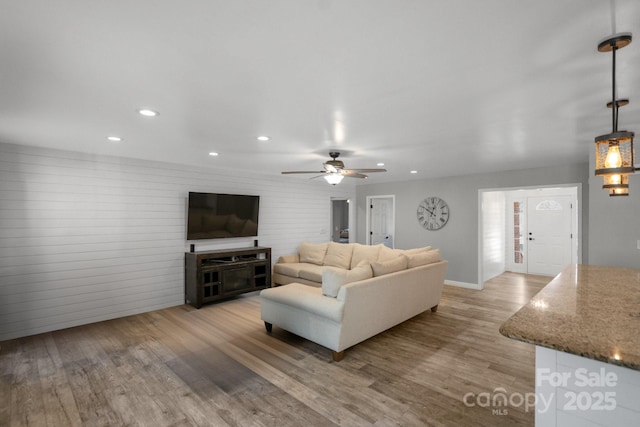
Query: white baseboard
463	284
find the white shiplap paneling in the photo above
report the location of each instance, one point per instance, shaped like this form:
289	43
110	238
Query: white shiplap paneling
86	238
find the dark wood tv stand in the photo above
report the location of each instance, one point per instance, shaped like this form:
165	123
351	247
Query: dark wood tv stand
214	275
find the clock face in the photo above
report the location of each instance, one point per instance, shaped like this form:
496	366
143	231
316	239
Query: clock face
433	213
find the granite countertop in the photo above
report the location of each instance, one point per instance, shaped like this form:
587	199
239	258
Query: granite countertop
591	311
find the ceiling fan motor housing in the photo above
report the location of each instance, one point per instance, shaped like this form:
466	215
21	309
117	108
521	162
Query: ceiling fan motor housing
338	164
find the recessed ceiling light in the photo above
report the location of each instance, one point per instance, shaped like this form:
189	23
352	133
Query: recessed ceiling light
148	113
263	138
114	138
213	153
414	171
380	164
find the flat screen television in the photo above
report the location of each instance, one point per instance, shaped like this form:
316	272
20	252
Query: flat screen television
220	216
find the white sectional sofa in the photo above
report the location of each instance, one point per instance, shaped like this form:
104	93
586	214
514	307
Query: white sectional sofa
338	295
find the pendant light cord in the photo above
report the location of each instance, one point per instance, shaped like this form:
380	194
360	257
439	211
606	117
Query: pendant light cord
614	101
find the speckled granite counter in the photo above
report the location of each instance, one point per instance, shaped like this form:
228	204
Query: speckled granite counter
590	311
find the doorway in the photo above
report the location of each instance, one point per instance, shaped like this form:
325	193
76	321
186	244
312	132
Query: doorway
381	220
340	220
529	230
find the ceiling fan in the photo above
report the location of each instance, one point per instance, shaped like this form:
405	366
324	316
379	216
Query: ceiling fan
334	170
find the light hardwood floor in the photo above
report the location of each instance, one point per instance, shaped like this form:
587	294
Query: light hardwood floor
217	366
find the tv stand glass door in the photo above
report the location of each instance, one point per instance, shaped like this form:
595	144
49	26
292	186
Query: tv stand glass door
214	275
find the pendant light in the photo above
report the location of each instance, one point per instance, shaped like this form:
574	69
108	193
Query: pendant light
614	151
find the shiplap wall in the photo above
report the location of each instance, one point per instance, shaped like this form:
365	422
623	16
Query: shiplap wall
86	238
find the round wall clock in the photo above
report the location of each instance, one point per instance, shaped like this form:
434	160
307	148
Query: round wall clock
433	213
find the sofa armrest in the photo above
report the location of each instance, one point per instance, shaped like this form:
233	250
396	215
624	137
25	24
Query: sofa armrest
287	259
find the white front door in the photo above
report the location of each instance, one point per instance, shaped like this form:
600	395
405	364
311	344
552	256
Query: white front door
381	220
549	238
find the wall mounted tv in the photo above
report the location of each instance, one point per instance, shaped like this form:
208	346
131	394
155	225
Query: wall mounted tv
219	216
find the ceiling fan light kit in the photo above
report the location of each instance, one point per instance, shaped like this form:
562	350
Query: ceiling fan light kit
614	151
334	170
333	178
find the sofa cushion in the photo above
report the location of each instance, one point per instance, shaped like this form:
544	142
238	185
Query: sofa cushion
423	258
288	258
292	269
311	272
338	255
364	253
387	253
333	277
381	268
417	250
313	253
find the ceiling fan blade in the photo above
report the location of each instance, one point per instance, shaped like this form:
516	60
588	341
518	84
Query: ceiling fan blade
291	172
336	167
330	168
366	170
352	174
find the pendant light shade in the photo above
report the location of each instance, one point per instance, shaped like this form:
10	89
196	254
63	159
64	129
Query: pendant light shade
614	151
616	181
617	184
619	192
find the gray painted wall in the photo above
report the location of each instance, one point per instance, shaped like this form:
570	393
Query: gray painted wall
458	240
614	224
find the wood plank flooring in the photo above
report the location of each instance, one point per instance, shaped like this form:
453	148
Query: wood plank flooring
217	366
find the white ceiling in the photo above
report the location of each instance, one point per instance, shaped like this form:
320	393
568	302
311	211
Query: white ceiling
442	87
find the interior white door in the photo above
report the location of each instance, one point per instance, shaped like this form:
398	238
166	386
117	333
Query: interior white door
549	234
381	221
